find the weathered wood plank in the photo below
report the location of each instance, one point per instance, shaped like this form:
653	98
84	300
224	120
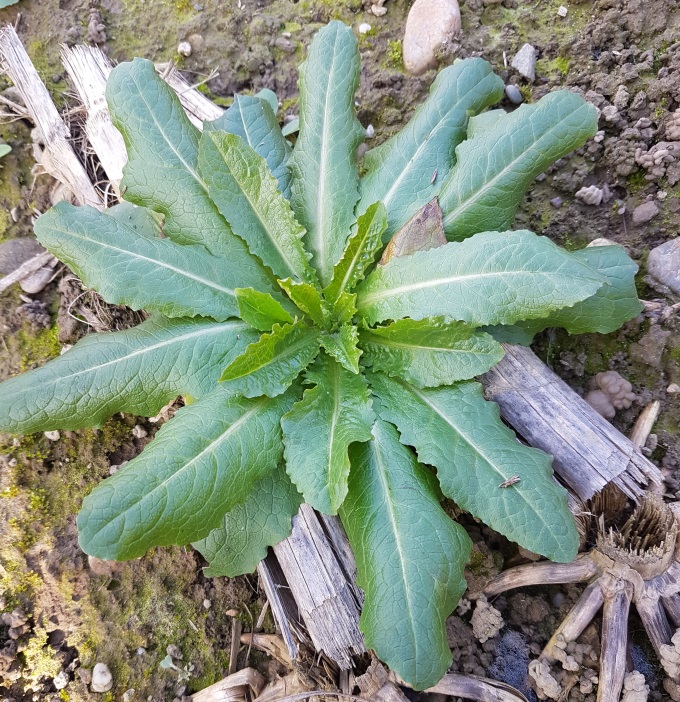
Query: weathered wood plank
588	451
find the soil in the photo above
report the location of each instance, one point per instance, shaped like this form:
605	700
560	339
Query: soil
622	55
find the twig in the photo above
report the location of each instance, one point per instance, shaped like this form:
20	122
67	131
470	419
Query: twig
25	269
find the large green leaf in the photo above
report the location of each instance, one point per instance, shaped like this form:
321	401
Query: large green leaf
271	364
246	193
319	429
496	166
429	352
200	465
359	253
410	557
260	310
162	168
461	434
492	278
141	220
325	181
613	304
407	170
253	119
142	272
247	530
137	370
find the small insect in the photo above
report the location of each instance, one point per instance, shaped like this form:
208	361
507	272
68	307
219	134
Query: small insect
510	481
434	176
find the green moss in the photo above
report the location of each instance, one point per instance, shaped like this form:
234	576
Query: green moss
395	55
636	181
38	657
36	349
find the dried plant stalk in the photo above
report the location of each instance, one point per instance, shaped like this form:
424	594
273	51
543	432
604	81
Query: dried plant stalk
617	599
59	159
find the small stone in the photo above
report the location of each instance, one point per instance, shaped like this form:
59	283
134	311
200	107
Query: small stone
663	265
661	195
524	62
370	131
184	48
673	388
556	202
52	435
60	681
378	10
85	674
364	28
514	94
174	652
129	695
140	651
430	24
649	349
38	281
207	604
139	432
102	680
645	212
17	251
562	11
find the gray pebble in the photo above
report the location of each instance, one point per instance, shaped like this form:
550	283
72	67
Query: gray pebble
524	62
644	212
102	680
556	202
514	94
663	265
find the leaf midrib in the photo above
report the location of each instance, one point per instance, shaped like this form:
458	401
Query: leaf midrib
380	341
141	257
525	155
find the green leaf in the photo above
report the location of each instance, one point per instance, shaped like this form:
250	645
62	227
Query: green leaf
200	465
497	165
429	352
260	310
268	96
5	148
142	272
410	557
407	170
142	221
611	306
492	278
162	168
342	345
255	122
359	253
265	518
292	127
345	308
137	371
245	192
319	429
307	299
271	364
323	165
461	434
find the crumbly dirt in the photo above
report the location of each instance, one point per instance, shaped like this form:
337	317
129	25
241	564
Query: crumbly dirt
622	55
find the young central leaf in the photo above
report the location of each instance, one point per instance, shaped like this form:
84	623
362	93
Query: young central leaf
325	178
492	278
410	557
272	363
246	193
319	429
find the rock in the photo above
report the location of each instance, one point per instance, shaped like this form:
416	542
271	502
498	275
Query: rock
17	251
102	680
562	11
85	674
14	619
429	25
364	28
650	348
663	265
52	435
184	48
673	388
61	680
645	212
524	62
174	652
556	202
38	281
514	94
129	695
139	432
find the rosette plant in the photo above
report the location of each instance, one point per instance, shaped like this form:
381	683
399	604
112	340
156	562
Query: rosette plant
315	371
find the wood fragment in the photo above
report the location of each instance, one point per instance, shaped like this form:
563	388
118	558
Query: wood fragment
196	105
233	688
326	599
271	644
588	451
644	423
27	268
472	687
89	69
59	158
235	644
